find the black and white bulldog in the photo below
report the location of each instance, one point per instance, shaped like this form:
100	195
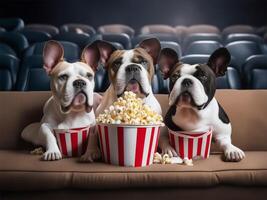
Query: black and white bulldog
192	102
72	101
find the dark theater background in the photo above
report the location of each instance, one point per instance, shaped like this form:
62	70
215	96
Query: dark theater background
136	13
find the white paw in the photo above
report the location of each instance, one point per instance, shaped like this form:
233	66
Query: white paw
233	154
169	150
52	155
91	155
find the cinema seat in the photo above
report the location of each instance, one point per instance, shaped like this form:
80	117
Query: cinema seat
50	29
120	38
241	50
243	37
157	28
12	24
161	37
261	30
35	36
80	39
2	29
202	28
180	32
5	49
101	80
173	45
16	41
116	28
200	37
238	29
255	71
231	80
78	28
71	50
32	76
9	66
202	47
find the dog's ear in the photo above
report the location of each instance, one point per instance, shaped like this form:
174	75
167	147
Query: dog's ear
152	47
219	61
53	53
167	60
98	51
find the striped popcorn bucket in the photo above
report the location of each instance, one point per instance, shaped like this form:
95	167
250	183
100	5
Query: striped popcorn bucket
128	145
72	142
191	145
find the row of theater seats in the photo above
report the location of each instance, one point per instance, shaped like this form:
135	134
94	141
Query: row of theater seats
21	52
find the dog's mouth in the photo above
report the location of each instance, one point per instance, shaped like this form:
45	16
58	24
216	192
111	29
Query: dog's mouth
185	99
78	103
134	86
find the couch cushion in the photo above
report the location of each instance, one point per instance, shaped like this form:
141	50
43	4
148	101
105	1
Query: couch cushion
21	171
247	110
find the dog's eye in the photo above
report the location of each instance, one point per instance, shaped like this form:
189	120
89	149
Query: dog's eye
63	77
116	65
203	77
174	77
89	75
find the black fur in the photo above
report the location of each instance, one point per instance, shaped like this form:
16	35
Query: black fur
168	119
222	115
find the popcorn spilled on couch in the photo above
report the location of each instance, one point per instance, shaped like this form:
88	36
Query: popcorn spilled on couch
129	109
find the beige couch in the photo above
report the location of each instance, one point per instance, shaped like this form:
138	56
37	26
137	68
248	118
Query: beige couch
25	176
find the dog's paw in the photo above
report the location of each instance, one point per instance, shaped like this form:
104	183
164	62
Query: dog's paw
51	155
91	155
170	151
233	154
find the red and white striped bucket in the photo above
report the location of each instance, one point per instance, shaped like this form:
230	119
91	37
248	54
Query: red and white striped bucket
191	145
128	145
73	142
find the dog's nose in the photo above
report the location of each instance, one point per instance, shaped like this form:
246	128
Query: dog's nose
79	83
187	82
132	68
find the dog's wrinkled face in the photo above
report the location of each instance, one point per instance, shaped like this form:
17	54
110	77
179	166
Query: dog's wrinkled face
72	84
192	85
133	70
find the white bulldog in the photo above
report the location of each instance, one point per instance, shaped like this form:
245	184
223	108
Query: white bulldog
71	104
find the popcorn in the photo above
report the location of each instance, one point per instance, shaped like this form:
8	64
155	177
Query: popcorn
37	151
129	109
166	159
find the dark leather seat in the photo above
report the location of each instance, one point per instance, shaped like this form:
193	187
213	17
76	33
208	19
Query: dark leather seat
203	28
50	29
157	28
241	50
71	50
12	24
78	28
120	38
241	28
35	36
200	37
255	71
243	37
173	45
161	37
5	49
202	47
16	41
116	29
32	76
9	66
80	39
